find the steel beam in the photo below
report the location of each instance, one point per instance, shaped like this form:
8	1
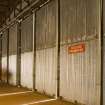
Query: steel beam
37	4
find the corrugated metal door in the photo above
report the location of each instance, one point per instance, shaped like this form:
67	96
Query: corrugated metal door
27	52
80	72
46	49
12	54
4	56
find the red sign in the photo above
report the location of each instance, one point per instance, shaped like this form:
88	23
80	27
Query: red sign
79	48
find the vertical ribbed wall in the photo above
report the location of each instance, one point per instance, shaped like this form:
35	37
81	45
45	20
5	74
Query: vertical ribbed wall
80	72
12	53
80	75
27	52
4	56
46	49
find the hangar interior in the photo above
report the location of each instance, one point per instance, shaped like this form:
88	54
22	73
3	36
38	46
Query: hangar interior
52	52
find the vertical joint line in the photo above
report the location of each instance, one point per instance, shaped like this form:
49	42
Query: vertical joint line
8	56
1	58
58	61
102	58
18	54
34	48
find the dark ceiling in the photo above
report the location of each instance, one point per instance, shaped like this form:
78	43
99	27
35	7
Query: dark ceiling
6	7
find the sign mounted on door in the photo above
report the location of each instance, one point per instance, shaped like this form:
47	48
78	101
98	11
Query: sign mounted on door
78	48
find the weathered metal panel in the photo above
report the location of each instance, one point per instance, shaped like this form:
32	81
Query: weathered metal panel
13	40
4	56
4	69
4	44
27	34
80	72
12	54
45	26
27	52
79	20
46	49
46	71
26	70
12	69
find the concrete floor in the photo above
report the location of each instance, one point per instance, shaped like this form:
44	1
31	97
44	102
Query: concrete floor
11	95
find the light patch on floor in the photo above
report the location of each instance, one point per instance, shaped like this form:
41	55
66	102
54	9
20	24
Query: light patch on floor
42	101
9	94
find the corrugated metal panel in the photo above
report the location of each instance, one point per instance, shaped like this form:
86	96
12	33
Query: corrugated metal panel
27	54
4	56
13	40
46	50
4	44
26	70
46	71
27	34
80	75
4	69
92	18
79	20
45	26
12	53
12	69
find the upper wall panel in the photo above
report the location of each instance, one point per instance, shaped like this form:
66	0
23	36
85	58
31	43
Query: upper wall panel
13	40
46	26
79	20
27	34
4	43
